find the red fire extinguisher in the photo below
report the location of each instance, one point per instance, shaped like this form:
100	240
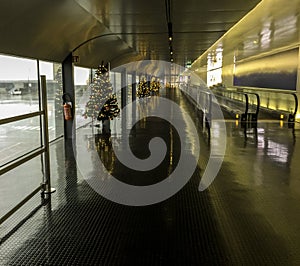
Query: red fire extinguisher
68	113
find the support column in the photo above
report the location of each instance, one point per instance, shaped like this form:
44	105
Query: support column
115	82
123	88
123	101
298	85
68	87
148	77
133	86
134	101
298	73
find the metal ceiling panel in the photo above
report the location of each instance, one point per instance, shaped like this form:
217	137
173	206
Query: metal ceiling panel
273	26
44	29
143	27
115	30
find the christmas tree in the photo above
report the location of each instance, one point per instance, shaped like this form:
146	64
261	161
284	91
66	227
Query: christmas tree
101	93
154	86
143	90
110	109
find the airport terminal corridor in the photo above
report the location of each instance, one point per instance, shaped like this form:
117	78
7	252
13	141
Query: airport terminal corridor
249	215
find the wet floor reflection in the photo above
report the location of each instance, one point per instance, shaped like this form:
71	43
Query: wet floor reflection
268	151
250	215
139	139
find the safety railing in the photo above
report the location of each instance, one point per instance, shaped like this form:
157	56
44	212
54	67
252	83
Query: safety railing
251	116
280	103
202	99
244	105
292	116
232	102
45	186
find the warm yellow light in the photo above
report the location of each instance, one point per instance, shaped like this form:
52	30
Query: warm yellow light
281	116
281	123
170	38
237	116
236	123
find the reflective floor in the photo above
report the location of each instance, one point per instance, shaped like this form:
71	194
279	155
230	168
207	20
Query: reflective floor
249	215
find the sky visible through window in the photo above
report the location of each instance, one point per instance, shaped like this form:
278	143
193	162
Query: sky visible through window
16	68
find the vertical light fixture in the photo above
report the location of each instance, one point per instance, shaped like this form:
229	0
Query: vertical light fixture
170	28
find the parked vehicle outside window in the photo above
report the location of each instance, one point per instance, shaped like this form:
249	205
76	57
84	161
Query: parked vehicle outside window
16	91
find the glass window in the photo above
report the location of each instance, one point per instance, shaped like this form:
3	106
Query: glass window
118	86
82	81
112	76
19	95
18	138
18	86
53	73
16	184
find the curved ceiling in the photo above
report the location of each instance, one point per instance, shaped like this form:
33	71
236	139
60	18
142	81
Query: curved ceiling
274	28
114	30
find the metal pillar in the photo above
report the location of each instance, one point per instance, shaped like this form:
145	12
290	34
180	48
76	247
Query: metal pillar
148	78
123	88
68	87
134	86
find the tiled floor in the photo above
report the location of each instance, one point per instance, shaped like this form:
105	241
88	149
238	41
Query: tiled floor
250	215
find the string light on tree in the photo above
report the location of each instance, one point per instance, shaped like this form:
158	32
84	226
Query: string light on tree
143	89
102	104
154	86
110	109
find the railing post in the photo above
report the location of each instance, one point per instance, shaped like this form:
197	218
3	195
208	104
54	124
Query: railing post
244	117
47	183
258	103
296	104
292	117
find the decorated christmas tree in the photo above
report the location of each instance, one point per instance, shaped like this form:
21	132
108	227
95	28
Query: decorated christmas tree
110	109
101	92
154	86
143	89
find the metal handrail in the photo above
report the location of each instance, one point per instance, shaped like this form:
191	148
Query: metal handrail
20	204
257	101
205	107
45	185
246	94
276	91
247	104
20	117
20	161
296	104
